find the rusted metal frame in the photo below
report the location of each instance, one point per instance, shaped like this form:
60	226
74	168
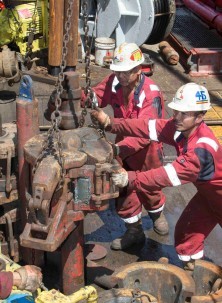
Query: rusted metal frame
27	127
125	295
60	227
5	249
14	215
198	61
103	186
10	234
8	186
204	61
208	280
175	283
61	224
102	183
180	49
1	131
72	260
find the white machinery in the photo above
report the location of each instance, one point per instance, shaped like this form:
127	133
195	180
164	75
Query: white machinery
139	21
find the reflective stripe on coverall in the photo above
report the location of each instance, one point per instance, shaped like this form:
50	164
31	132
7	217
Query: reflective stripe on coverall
137	153
199	162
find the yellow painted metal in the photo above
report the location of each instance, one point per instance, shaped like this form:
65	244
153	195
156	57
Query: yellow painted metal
212	114
87	293
15	24
10	265
217	130
215	114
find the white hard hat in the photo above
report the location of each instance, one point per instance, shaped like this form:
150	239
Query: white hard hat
126	57
191	97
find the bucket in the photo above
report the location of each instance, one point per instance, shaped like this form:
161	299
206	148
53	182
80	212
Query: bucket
104	51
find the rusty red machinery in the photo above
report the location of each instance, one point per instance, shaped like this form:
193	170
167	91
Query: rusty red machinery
56	209
10	216
200	48
63	174
162	282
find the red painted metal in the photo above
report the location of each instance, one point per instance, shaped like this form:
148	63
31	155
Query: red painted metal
27	127
218	3
212	17
210	3
72	260
204	61
95	252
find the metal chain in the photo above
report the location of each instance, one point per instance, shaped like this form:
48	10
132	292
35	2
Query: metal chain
52	144
136	295
88	90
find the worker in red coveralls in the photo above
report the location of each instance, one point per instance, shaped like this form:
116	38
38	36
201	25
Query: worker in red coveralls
132	95
28	277
198	161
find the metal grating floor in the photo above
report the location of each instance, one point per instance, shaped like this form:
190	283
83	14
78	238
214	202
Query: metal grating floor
196	36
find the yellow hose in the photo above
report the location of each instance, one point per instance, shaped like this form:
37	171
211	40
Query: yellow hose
88	293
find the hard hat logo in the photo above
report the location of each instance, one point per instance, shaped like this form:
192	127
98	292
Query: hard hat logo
136	55
181	96
191	97
126	57
201	97
118	59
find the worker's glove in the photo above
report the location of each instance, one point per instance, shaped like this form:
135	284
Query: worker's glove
31	277
98	115
120	178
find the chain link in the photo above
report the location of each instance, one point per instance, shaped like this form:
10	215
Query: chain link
88	90
136	295
52	144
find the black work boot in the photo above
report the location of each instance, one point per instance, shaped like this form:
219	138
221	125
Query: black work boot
133	235
160	224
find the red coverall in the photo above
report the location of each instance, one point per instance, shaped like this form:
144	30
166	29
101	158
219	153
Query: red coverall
136	153
199	162
6	283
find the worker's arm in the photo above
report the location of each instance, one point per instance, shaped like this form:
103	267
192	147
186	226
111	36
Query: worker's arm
150	108
159	130
185	169
102	92
195	165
